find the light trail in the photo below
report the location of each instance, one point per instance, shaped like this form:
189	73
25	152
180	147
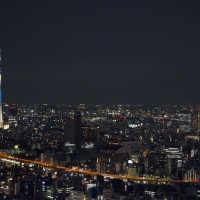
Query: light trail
77	170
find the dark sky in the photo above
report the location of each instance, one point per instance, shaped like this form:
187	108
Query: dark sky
112	51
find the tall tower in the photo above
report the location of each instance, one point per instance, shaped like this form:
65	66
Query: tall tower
1	115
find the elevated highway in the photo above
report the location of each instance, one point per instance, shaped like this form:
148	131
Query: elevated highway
5	157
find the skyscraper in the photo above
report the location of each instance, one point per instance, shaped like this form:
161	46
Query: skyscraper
72	133
72	136
195	115
1	115
78	137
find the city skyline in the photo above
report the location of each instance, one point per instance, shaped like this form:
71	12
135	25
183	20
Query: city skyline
108	52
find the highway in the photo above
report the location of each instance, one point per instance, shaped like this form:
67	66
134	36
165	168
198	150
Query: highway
77	170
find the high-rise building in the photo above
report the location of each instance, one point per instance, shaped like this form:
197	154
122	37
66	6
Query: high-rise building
1	115
13	110
72	134
78	135
196	119
10	114
90	136
70	131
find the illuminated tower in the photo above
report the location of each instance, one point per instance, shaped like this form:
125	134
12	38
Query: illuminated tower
1	115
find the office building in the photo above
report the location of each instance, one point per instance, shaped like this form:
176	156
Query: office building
90	137
72	134
195	119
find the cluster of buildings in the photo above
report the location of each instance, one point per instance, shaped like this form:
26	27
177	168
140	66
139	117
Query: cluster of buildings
157	144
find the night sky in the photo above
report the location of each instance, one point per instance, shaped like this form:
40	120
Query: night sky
100	52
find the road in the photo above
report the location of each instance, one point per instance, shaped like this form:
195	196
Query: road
77	170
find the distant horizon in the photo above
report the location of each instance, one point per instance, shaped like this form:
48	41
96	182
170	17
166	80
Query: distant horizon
92	104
